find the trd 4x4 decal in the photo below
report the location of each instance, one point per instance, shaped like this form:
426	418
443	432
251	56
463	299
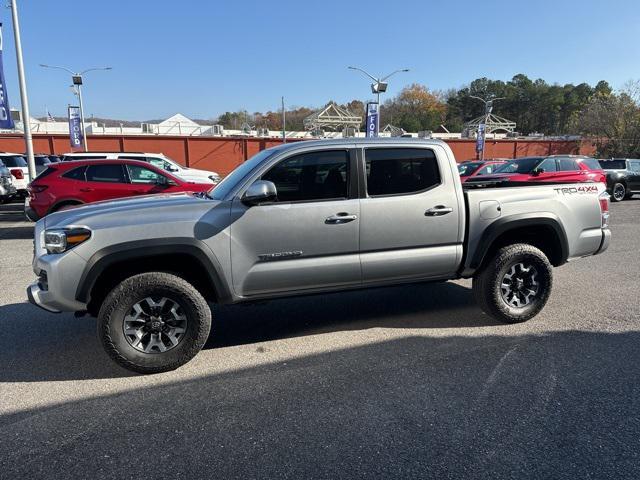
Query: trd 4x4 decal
580	189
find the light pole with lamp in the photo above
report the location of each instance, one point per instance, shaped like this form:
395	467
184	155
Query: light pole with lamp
379	85
77	85
488	108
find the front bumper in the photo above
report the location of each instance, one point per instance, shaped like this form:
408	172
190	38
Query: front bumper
38	297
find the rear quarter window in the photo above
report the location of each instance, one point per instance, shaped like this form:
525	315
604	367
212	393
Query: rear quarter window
75	174
46	172
591	163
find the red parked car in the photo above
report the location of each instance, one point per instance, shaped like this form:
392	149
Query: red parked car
555	168
67	184
473	168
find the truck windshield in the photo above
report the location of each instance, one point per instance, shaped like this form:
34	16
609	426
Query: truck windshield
221	190
519	165
613	164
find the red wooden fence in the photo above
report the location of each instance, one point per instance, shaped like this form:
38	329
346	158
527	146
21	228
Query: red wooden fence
223	154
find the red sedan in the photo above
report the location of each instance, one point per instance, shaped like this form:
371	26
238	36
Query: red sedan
67	184
555	168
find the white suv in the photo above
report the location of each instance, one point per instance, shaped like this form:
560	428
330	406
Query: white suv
17	165
157	159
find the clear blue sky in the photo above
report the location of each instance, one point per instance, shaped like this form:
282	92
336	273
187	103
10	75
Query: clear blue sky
203	57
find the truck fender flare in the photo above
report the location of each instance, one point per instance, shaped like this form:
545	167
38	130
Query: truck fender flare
512	222
112	254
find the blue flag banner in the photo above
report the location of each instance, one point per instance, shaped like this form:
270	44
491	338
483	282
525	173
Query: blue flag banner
373	119
6	122
75	127
480	139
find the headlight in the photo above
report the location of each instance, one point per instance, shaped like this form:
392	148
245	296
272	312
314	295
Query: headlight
60	240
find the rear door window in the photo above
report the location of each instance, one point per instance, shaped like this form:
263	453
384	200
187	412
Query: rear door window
566	164
76	174
400	171
108	173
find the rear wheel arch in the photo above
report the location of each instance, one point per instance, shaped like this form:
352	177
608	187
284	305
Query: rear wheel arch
543	231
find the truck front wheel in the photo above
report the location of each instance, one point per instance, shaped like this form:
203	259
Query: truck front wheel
515	284
153	322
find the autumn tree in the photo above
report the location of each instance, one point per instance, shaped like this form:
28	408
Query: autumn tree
414	109
613	119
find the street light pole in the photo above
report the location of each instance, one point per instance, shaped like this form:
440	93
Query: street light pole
26	117
77	82
378	86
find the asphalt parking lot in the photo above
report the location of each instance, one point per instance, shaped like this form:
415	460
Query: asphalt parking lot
403	382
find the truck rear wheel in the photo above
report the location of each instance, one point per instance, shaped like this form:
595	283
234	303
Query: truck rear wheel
515	284
153	322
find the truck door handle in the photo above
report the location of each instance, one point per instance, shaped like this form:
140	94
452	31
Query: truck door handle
438	210
342	217
86	189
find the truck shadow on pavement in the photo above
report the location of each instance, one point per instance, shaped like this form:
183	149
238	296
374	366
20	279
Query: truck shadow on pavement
560	405
39	346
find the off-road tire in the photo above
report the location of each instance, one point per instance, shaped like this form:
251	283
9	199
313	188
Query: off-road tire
121	299
486	284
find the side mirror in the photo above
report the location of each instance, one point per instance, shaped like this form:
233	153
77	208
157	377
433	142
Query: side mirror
171	168
537	171
260	191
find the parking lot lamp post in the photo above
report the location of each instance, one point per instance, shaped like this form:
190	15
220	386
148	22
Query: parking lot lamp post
378	86
77	82
488	108
26	117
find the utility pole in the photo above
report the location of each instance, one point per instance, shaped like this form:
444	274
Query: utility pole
26	117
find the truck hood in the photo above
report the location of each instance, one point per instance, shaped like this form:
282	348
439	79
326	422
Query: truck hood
134	209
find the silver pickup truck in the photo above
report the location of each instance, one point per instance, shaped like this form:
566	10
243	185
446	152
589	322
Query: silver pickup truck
301	218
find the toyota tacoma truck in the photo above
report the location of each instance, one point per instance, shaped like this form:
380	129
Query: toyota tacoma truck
302	218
